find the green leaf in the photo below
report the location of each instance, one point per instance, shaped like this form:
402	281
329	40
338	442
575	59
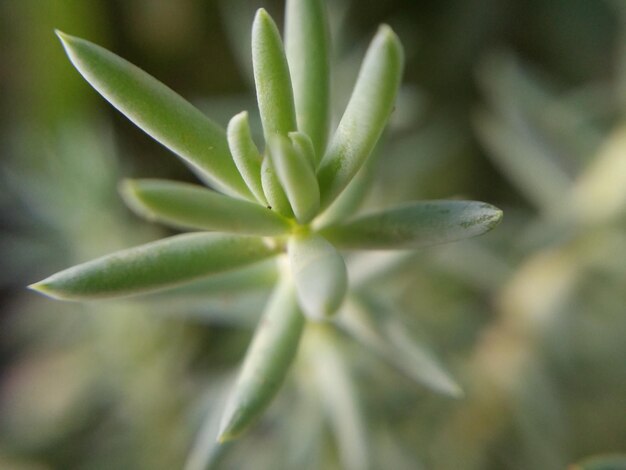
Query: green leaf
302	143
271	76
189	206
274	192
246	154
159	112
415	225
378	329
365	117
267	361
297	178
320	275
156	265
307	48
350	200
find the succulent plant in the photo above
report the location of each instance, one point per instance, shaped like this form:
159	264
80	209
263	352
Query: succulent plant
291	201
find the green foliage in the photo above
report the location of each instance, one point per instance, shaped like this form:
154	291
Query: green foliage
277	199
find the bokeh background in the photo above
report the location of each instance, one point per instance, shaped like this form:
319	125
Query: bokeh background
520	103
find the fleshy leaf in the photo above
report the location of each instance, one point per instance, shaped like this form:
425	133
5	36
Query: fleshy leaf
276	198
267	361
245	154
365	117
271	76
320	275
303	144
307	49
189	206
339	396
158	111
387	337
297	178
156	265
415	225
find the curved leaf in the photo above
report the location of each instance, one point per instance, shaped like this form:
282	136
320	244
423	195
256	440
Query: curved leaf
158	111
297	178
415	225
303	144
156	265
307	49
271	77
276	198
365	117
604	462
320	275
245	154
190	206
267	361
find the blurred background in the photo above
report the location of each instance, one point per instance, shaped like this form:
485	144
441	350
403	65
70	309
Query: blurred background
520	103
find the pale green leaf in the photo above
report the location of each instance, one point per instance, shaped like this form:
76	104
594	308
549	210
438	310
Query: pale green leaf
415	225
267	361
320	275
193	207
276	198
382	333
303	144
365	117
246	154
159	112
297	178
156	265
339	396
271	76
307	48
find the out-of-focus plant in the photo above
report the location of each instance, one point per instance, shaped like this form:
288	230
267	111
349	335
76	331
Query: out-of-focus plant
293	201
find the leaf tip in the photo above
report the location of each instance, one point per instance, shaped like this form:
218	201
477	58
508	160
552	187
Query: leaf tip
44	288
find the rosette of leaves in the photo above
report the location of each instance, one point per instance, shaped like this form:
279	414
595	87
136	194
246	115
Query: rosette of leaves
293	199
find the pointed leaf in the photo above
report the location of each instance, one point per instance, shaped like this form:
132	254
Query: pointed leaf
156	265
245	154
604	462
388	338
159	112
271	76
365	117
297	178
307	48
319	273
276	198
267	361
193	207
415	225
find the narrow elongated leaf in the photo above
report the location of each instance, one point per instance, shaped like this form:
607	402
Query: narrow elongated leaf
159	112
320	275
388	338
415	225
307	49
297	178
245	154
349	201
276	198
190	206
339	396
365	117
156	265
303	144
271	76
267	361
